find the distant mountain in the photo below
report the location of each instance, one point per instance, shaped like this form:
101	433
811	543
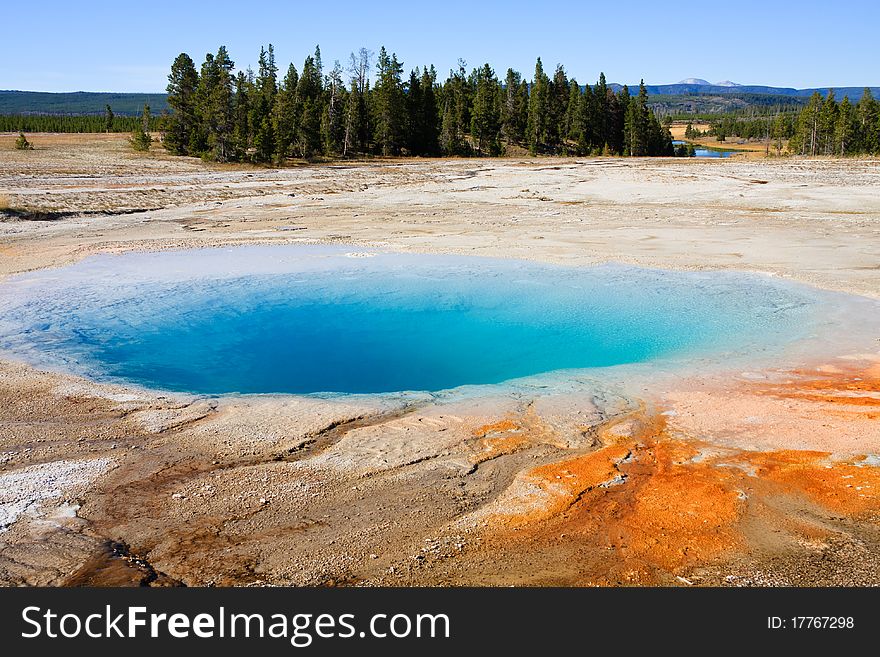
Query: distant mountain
700	82
696	96
727	87
79	102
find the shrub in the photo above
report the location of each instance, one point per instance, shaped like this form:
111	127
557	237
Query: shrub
140	140
22	143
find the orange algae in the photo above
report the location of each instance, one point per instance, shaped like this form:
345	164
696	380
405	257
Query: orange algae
654	501
496	427
563	484
499	438
845	487
511	435
660	503
681	511
851	386
642	497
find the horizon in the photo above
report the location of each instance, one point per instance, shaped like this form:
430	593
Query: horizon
631	85
585	38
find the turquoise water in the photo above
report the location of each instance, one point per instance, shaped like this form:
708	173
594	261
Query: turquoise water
332	319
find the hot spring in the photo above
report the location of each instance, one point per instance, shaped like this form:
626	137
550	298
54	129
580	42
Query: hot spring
326	319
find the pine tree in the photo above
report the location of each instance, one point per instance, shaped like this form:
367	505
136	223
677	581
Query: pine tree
573	128
414	118
537	123
637	123
659	139
450	137
422	129
465	99
285	114
456	110
618	108
844	128
603	98
778	133
827	124
389	104
108	118
868	117
333	122
486	114
588	123
805	140
221	106
309	129
319	63
263	99
514	109
429	116
557	104
182	133
356	116
140	137
241	114
308	100
214	105
207	78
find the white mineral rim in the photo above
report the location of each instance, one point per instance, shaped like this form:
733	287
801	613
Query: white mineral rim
25	490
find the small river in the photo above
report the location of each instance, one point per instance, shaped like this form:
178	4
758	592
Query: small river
703	151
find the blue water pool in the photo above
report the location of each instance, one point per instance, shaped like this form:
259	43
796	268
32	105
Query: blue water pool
308	319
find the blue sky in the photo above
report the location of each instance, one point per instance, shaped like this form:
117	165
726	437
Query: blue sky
108	46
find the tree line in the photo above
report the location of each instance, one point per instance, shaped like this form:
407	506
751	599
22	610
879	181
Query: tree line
776	128
226	115
828	127
65	123
823	127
